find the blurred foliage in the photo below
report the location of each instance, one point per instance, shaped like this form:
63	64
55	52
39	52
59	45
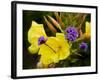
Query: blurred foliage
64	19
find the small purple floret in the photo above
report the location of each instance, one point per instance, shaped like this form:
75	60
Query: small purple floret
72	33
41	40
83	46
70	37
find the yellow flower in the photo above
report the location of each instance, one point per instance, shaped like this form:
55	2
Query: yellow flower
87	33
36	30
55	49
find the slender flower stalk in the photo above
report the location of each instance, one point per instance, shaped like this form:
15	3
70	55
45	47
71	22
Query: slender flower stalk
55	23
58	17
83	19
51	27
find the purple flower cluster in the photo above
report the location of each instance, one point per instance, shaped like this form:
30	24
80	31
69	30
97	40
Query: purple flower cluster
41	40
72	33
83	46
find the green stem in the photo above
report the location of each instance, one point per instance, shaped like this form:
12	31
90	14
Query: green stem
75	52
78	54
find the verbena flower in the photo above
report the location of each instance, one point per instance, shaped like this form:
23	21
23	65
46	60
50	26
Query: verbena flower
35	32
83	46
70	37
72	33
54	49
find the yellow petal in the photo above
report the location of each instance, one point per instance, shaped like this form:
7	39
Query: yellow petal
55	49
36	30
63	41
47	55
64	51
60	36
33	48
53	42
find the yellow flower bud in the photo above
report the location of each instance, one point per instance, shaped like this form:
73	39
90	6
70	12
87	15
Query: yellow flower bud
87	33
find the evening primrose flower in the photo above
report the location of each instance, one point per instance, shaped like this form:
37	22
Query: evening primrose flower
36	30
54	50
87	33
